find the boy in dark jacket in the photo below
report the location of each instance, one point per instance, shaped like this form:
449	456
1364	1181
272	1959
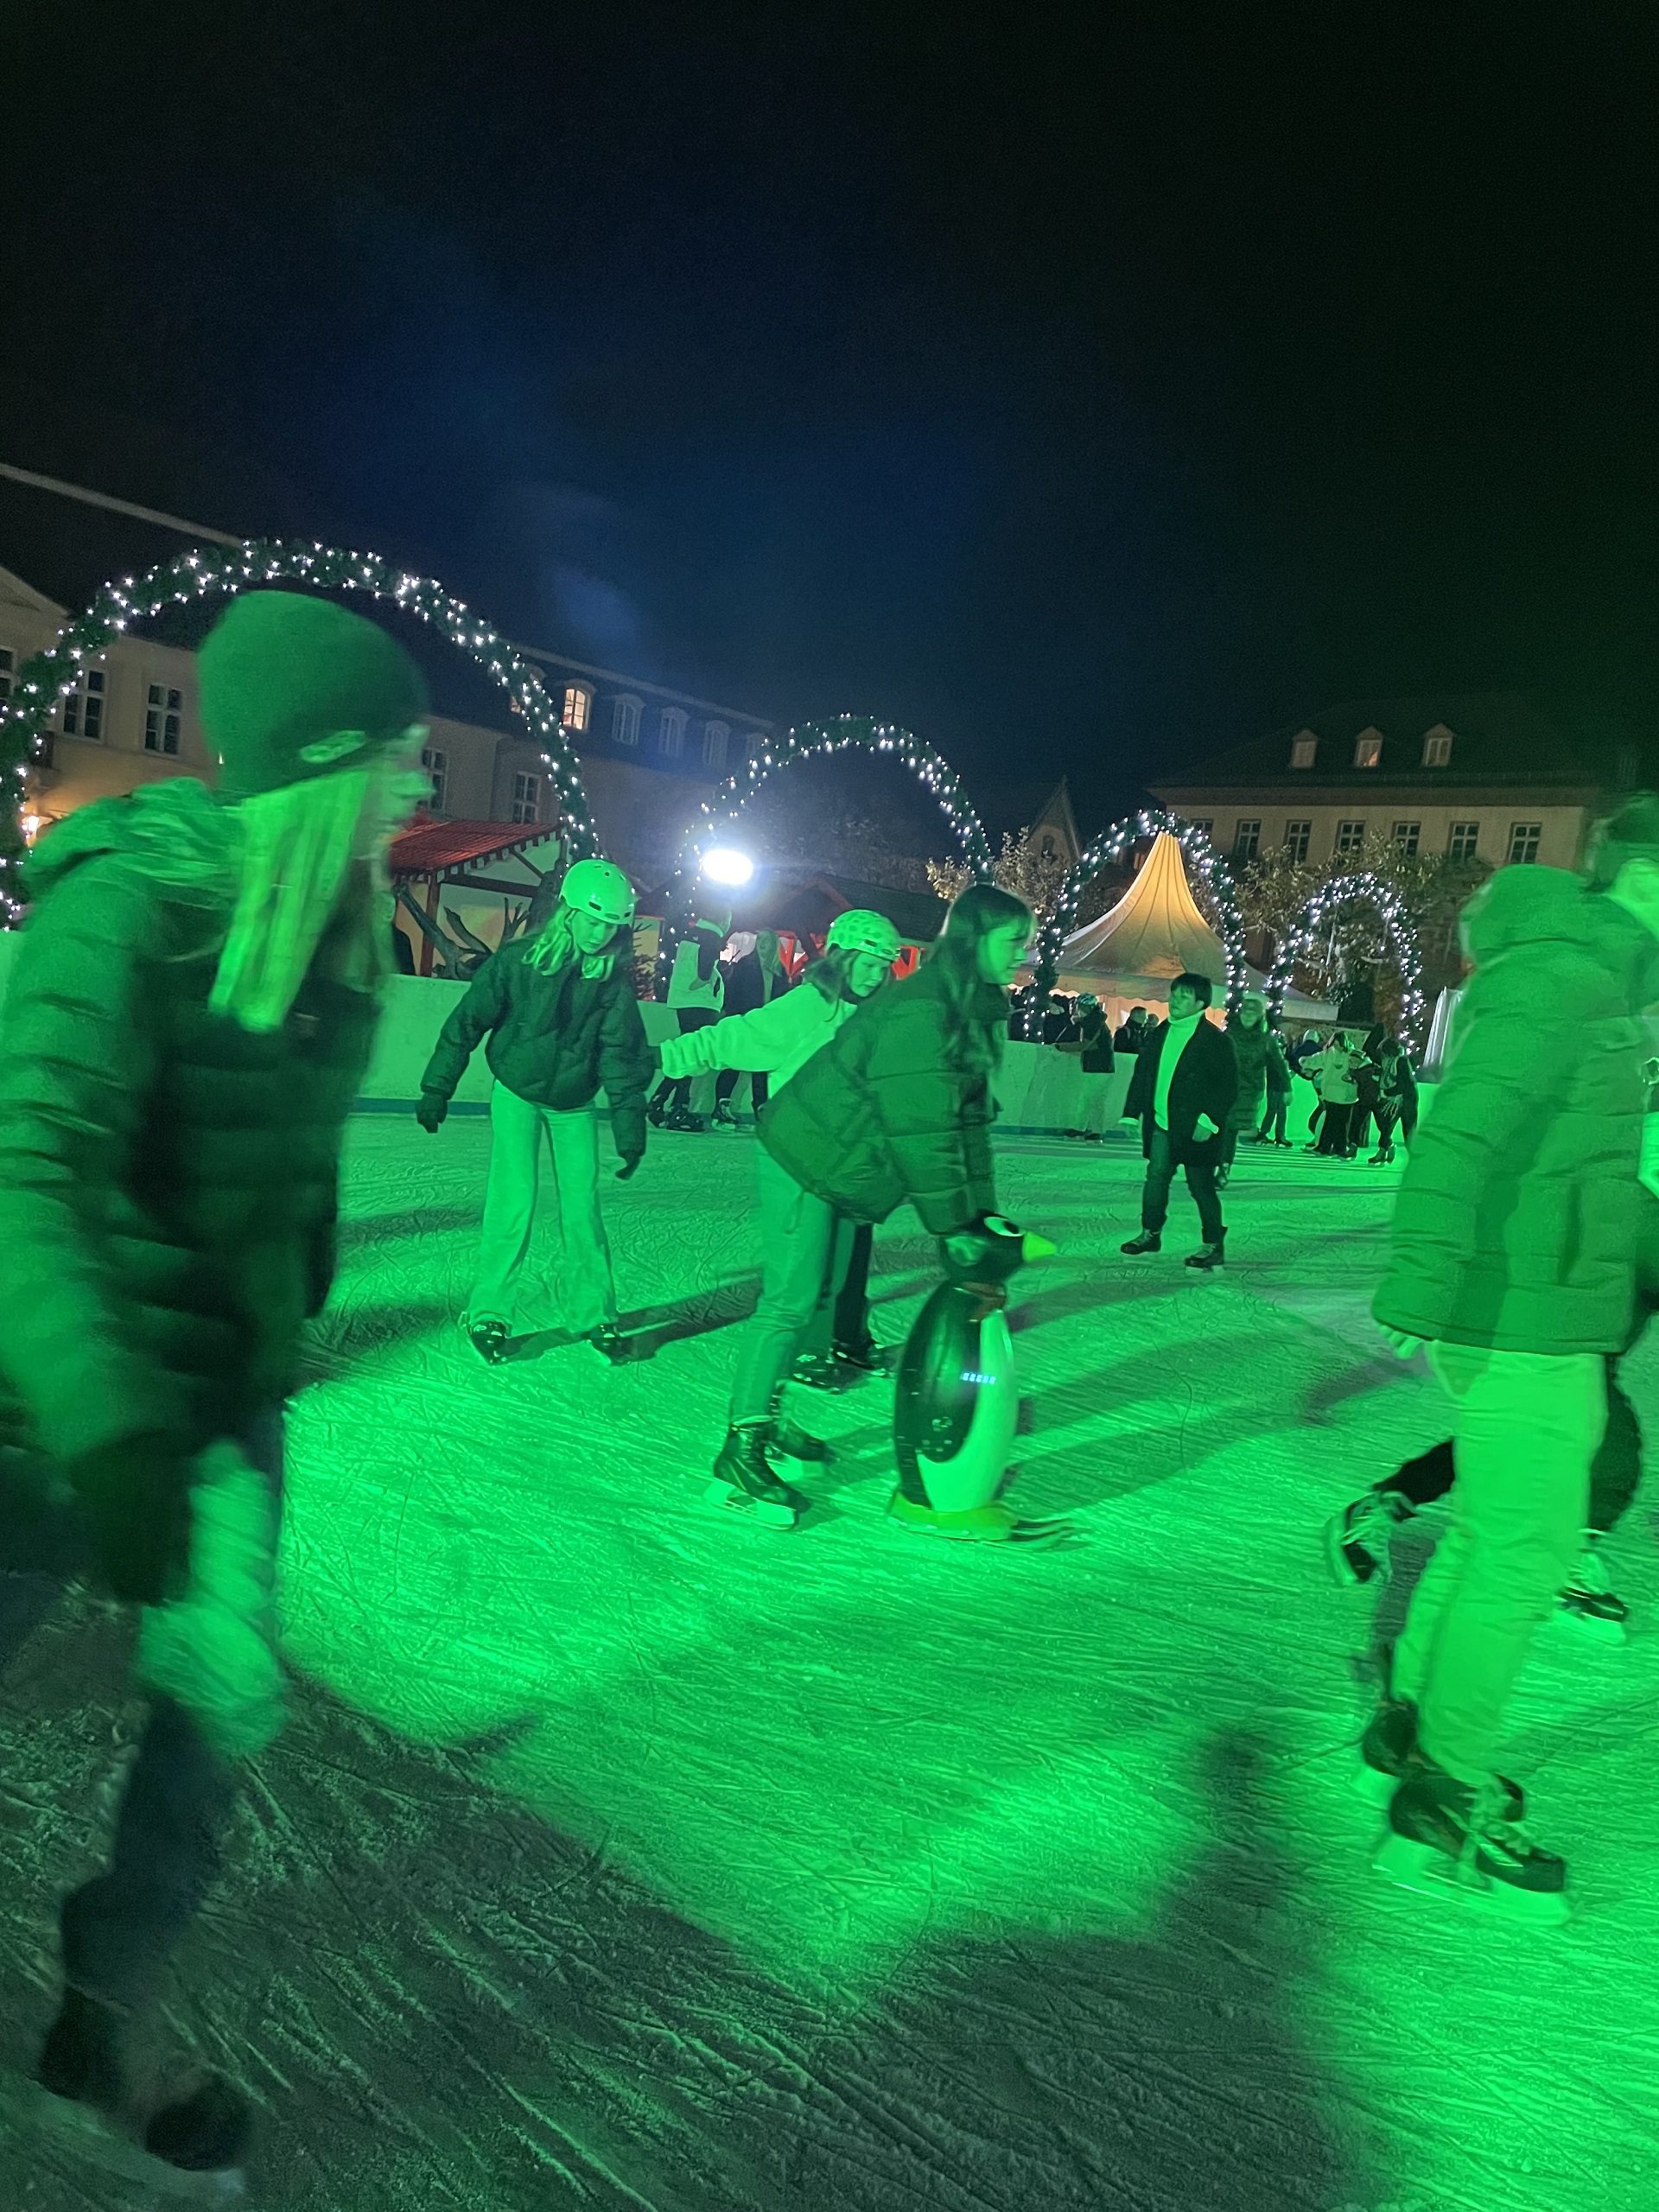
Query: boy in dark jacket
1182	1092
1514	1259
563	1023
187	1022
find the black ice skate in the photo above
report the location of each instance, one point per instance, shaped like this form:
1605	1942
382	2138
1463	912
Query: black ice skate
684	1119
820	1370
865	1358
1206	1259
1357	1539
723	1117
610	1342
745	1482
489	1339
204	2132
790	1442
1147	1241
1449	1837
1386	1752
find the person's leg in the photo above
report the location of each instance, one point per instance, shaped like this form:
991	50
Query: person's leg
797	1231
1160	1172
1201	1181
509	1206
1616	1469
1526	1427
760	1090
1424	1480
587	1289
851	1329
725	1084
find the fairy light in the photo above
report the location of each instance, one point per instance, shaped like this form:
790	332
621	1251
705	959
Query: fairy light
1360	888
721	814
52	674
1111	844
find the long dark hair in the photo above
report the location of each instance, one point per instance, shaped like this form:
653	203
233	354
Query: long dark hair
973	1038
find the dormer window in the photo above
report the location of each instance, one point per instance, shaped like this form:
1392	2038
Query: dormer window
1303	749
625	720
670	732
1437	747
1367	748
715	737
578	706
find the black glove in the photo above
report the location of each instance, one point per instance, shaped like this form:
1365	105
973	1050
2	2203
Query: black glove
135	1495
630	1162
431	1111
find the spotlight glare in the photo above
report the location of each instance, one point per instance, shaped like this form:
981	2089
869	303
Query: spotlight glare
725	864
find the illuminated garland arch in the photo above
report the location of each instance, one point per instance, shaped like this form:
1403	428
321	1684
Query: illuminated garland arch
811	740
50	675
1361	887
1109	846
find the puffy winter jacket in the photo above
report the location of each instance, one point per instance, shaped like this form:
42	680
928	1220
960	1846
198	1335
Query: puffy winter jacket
166	1180
1516	1222
555	1039
877	1116
776	1040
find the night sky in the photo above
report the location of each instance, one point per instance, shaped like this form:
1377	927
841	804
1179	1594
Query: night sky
1086	389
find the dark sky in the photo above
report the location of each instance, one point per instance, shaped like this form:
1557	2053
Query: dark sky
1086	388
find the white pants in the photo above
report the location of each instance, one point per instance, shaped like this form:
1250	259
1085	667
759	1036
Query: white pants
585	1295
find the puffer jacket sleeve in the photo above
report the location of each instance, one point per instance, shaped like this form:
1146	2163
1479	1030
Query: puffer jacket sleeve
624	1066
936	1122
482	1008
79	1065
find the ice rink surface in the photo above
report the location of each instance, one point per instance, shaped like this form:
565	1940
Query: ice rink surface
619	1855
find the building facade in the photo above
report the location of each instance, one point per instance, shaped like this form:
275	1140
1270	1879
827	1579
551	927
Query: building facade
1475	776
649	756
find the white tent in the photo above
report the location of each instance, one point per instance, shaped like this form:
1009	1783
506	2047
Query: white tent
1156	932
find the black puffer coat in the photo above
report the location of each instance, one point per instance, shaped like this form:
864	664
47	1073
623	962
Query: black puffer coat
166	1180
556	1040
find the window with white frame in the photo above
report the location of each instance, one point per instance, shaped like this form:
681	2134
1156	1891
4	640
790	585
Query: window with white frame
1297	835
1205	825
715	737
163	717
8	669
1350	835
437	764
578	706
526	798
1407	835
670	732
1367	748
1304	750
625	720
82	713
1524	839
1463	841
1437	747
1247	840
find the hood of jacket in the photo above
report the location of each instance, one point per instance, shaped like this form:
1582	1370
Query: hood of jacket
1522	906
177	828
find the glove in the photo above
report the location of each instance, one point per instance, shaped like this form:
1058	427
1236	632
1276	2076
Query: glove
430	1112
135	1495
630	1162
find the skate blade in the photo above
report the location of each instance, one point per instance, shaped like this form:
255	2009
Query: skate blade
1428	1873
103	2145
1030	1536
760	1512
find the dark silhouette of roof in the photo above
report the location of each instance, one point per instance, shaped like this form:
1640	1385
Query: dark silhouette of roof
436	848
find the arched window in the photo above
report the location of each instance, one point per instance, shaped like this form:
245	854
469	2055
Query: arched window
578	706
672	732
625	720
714	736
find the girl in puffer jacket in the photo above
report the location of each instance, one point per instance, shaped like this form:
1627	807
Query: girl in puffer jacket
805	1242
563	1023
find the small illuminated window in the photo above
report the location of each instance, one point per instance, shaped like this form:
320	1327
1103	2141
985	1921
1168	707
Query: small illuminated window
1367	748
1304	750
578	706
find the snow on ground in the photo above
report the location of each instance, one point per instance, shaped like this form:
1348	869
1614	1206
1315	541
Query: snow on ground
621	1856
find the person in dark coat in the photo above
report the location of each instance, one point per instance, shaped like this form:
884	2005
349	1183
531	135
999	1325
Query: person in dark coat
1278	1086
1182	1093
1099	1061
1132	1033
1396	1099
754	980
563	1024
186	1028
1249	1035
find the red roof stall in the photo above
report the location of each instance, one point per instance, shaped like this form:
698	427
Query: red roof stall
493	857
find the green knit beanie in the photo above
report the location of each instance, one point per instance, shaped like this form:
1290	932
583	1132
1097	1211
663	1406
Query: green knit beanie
285	680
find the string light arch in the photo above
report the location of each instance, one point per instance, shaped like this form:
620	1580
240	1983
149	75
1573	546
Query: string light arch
50	675
1360	888
721	814
1111	844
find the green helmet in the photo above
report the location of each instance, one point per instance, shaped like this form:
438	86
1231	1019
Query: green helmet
598	888
862	930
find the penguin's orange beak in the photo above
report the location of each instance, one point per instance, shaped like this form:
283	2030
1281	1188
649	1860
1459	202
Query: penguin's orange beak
1034	1246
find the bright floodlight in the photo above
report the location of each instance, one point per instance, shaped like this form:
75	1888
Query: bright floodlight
725	864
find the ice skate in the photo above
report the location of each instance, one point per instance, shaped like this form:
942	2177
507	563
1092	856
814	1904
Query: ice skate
819	1370
682	1119
722	1117
1453	1838
867	1359
789	1442
1147	1241
1207	1258
1357	1539
203	2134
1587	1605
489	1339
1386	1752
744	1482
608	1341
